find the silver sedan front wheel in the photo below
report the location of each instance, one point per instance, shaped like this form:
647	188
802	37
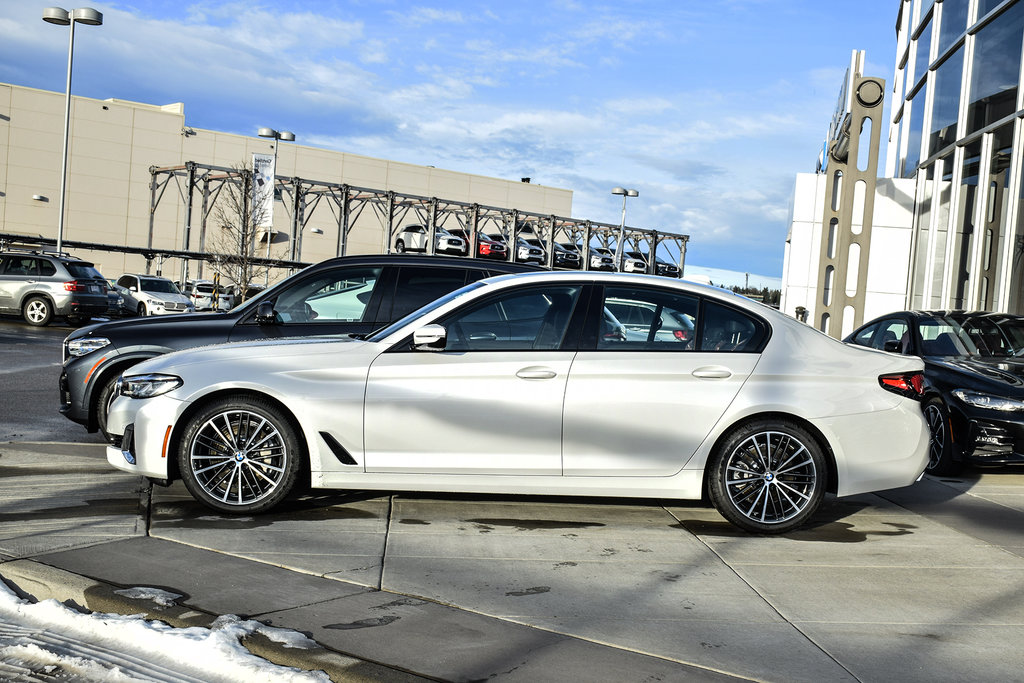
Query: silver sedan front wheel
240	455
768	477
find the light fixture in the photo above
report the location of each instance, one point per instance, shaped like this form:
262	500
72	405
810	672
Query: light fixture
619	254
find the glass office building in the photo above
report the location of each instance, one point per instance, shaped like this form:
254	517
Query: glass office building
956	131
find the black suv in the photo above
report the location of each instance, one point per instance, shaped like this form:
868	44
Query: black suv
39	285
345	295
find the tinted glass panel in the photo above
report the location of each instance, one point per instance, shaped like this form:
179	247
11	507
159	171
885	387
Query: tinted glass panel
726	329
914	134
891	332
417	287
46	269
636	318
83	270
337	295
21	266
946	102
864	337
997	51
986	6
922	47
954	22
535	319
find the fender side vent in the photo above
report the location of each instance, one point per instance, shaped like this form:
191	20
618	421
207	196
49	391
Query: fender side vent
339	451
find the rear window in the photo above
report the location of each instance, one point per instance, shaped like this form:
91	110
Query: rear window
82	269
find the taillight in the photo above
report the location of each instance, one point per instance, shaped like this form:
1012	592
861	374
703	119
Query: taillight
909	384
681	335
75	286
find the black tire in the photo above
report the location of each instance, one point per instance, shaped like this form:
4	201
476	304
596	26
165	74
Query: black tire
400	246
768	477
141	310
103	397
940	442
240	455
37	311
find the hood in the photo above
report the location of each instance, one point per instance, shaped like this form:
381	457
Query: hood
1005	372
294	352
151	325
165	297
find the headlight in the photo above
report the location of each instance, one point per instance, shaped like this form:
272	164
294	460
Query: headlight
86	345
147	386
989	401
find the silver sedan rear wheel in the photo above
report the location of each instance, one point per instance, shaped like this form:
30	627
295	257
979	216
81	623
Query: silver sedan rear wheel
240	455
768	477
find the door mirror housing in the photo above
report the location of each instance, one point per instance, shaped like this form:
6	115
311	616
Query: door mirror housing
430	338
265	314
893	346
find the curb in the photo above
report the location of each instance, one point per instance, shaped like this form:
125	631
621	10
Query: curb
36	582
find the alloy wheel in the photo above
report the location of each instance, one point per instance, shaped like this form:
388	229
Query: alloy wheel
238	457
937	434
771	477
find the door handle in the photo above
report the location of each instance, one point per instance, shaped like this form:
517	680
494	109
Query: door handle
536	373
712	372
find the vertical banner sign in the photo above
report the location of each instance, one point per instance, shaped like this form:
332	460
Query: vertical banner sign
263	190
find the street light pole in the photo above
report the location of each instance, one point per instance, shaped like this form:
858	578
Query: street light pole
620	255
61	17
277	135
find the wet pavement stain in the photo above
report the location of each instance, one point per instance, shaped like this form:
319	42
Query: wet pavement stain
401	602
36	471
536	590
532	524
414	521
364	623
824	532
559	565
194	515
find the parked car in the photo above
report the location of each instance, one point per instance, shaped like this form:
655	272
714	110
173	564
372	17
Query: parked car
414	238
486	246
974	381
201	292
353	294
598	260
564	258
526	252
634	262
117	306
40	285
153	295
664	268
772	422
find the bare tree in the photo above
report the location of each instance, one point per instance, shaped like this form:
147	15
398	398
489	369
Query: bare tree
241	246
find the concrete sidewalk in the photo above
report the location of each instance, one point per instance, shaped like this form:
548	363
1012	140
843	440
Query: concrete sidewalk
922	583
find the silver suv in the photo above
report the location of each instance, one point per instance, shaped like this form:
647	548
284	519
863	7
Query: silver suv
40	285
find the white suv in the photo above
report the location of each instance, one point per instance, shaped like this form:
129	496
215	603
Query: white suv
201	293
153	295
414	238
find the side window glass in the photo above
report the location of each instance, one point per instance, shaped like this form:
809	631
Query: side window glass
890	331
864	337
642	319
124	281
4	261
536	319
331	297
726	329
417	286
47	269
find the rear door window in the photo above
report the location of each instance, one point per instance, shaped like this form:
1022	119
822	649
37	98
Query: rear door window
727	329
417	286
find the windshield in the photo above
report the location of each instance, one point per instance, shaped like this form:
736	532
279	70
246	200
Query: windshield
382	334
986	336
158	286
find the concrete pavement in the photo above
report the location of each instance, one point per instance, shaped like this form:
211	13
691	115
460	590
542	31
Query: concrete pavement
922	583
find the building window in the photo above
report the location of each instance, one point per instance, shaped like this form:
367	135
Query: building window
996	69
997	201
922	50
952	22
925	181
945	190
914	133
986	6
946	102
965	223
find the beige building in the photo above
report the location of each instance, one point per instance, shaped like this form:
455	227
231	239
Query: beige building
114	144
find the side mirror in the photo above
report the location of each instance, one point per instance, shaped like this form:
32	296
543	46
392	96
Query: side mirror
430	338
265	314
893	346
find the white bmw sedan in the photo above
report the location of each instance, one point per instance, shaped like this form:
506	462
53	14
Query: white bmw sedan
530	384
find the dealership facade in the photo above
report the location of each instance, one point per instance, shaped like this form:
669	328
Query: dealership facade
946	217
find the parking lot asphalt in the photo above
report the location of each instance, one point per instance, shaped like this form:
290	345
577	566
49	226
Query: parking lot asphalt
923	583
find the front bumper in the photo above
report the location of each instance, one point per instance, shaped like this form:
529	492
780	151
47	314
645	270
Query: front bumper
992	442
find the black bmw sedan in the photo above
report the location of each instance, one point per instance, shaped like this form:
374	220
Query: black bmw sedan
974	376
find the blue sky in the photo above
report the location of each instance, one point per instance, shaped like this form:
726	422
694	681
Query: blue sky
708	108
